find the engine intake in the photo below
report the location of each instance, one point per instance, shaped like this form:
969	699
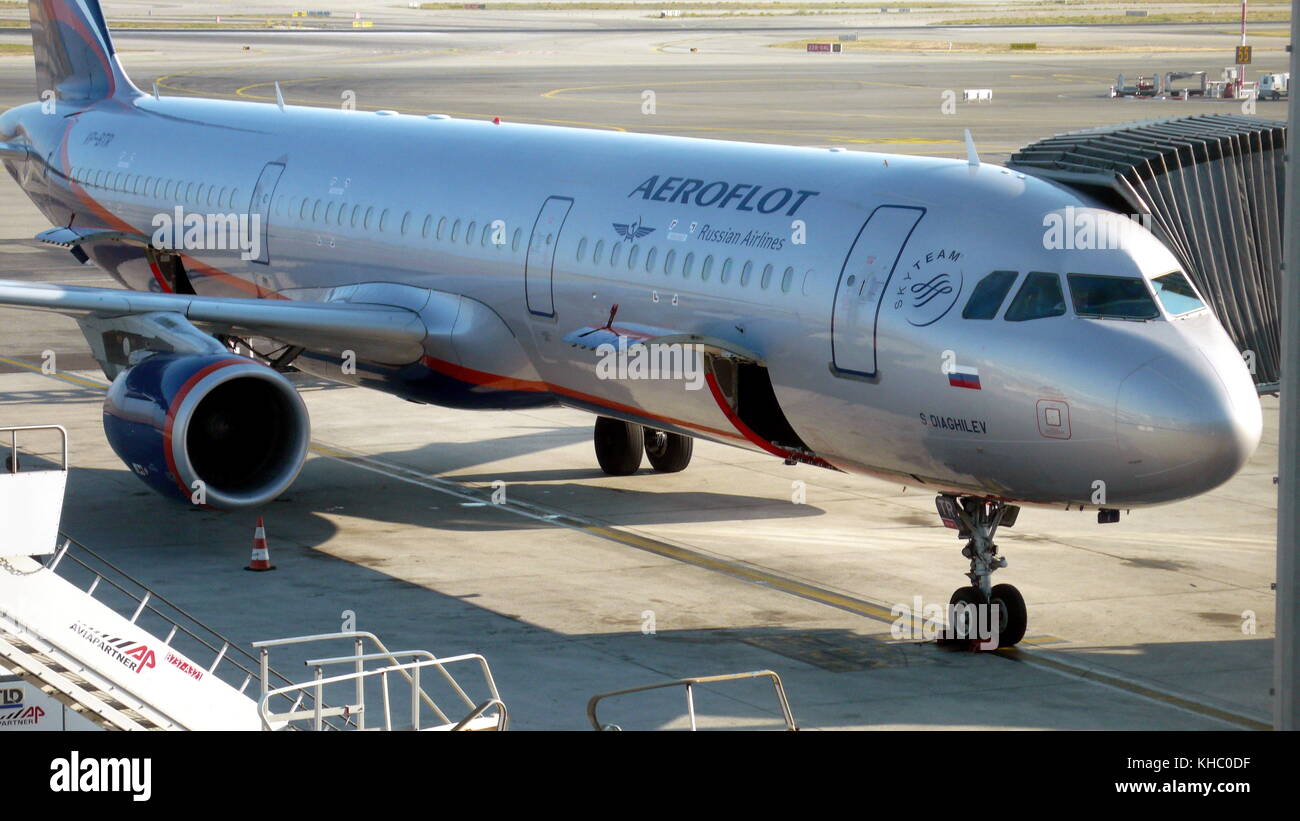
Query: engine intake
233	425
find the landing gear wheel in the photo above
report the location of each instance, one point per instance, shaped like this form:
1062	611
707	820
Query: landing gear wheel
1013	616
668	452
619	446
966	620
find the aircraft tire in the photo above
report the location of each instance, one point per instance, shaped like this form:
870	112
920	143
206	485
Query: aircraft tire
619	446
1013	616
965	595
668	452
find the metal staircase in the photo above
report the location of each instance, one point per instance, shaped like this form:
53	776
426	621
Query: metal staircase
83	632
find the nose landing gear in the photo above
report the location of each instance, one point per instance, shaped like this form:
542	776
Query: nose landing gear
976	520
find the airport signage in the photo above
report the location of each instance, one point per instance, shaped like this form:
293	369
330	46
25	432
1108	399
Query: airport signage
1243	55
833	48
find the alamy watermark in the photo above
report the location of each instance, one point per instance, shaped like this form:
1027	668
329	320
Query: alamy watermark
190	231
1092	230
960	621
651	360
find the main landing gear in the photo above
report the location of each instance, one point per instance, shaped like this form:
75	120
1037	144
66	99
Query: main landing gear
620	445
976	520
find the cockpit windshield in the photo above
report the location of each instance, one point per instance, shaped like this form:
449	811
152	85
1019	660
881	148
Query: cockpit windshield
988	295
1176	294
1039	297
1112	297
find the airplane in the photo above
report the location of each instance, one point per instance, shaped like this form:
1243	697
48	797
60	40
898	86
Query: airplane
892	316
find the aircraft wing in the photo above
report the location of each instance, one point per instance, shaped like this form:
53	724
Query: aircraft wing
383	333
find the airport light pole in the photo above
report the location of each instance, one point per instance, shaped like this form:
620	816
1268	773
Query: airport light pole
1286	643
1241	67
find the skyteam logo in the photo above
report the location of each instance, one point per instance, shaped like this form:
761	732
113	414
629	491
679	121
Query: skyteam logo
632	231
928	287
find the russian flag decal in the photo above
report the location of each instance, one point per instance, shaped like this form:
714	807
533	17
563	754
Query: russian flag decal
964	377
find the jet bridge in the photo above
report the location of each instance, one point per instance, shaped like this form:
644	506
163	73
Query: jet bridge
1214	190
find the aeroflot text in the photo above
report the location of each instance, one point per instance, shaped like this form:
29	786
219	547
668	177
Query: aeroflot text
125	775
745	196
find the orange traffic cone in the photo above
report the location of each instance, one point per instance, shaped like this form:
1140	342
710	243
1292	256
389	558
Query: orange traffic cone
261	561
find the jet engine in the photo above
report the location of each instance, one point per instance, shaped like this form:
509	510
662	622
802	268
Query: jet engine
217	430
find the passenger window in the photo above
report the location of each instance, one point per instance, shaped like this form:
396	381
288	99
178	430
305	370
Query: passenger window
1111	297
406	223
767	277
707	270
787	279
469	233
428	224
356	215
582	249
688	266
442	228
487	232
632	256
329	212
650	259
383	220
598	253
668	262
1038	298
726	271
745	274
1176	293
514	245
988	295
455	231
614	253
315	211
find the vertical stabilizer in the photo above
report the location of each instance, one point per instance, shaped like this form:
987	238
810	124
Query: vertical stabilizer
74	52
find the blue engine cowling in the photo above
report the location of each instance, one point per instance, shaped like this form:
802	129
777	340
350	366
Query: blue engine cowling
224	431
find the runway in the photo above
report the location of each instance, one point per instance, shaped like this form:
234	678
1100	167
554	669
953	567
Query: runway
583	583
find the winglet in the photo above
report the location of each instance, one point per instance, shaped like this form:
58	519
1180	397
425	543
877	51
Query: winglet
972	156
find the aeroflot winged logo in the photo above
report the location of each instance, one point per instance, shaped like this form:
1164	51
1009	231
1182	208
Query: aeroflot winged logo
741	196
632	231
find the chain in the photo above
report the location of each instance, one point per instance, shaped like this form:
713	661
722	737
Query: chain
13	571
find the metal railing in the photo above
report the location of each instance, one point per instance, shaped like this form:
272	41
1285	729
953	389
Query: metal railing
409	671
234	661
690	684
11	462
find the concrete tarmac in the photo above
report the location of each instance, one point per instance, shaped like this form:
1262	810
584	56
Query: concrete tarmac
584	583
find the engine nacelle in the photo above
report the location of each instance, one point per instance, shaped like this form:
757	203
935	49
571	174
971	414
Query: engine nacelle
233	425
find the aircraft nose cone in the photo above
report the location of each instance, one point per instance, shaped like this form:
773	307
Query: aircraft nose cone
1185	427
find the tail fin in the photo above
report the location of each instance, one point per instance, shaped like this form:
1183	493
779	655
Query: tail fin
75	58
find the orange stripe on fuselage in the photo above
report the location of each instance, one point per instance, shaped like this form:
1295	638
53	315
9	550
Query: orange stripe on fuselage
505	383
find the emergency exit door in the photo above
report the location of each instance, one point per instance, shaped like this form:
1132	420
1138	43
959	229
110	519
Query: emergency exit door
539	265
863	281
